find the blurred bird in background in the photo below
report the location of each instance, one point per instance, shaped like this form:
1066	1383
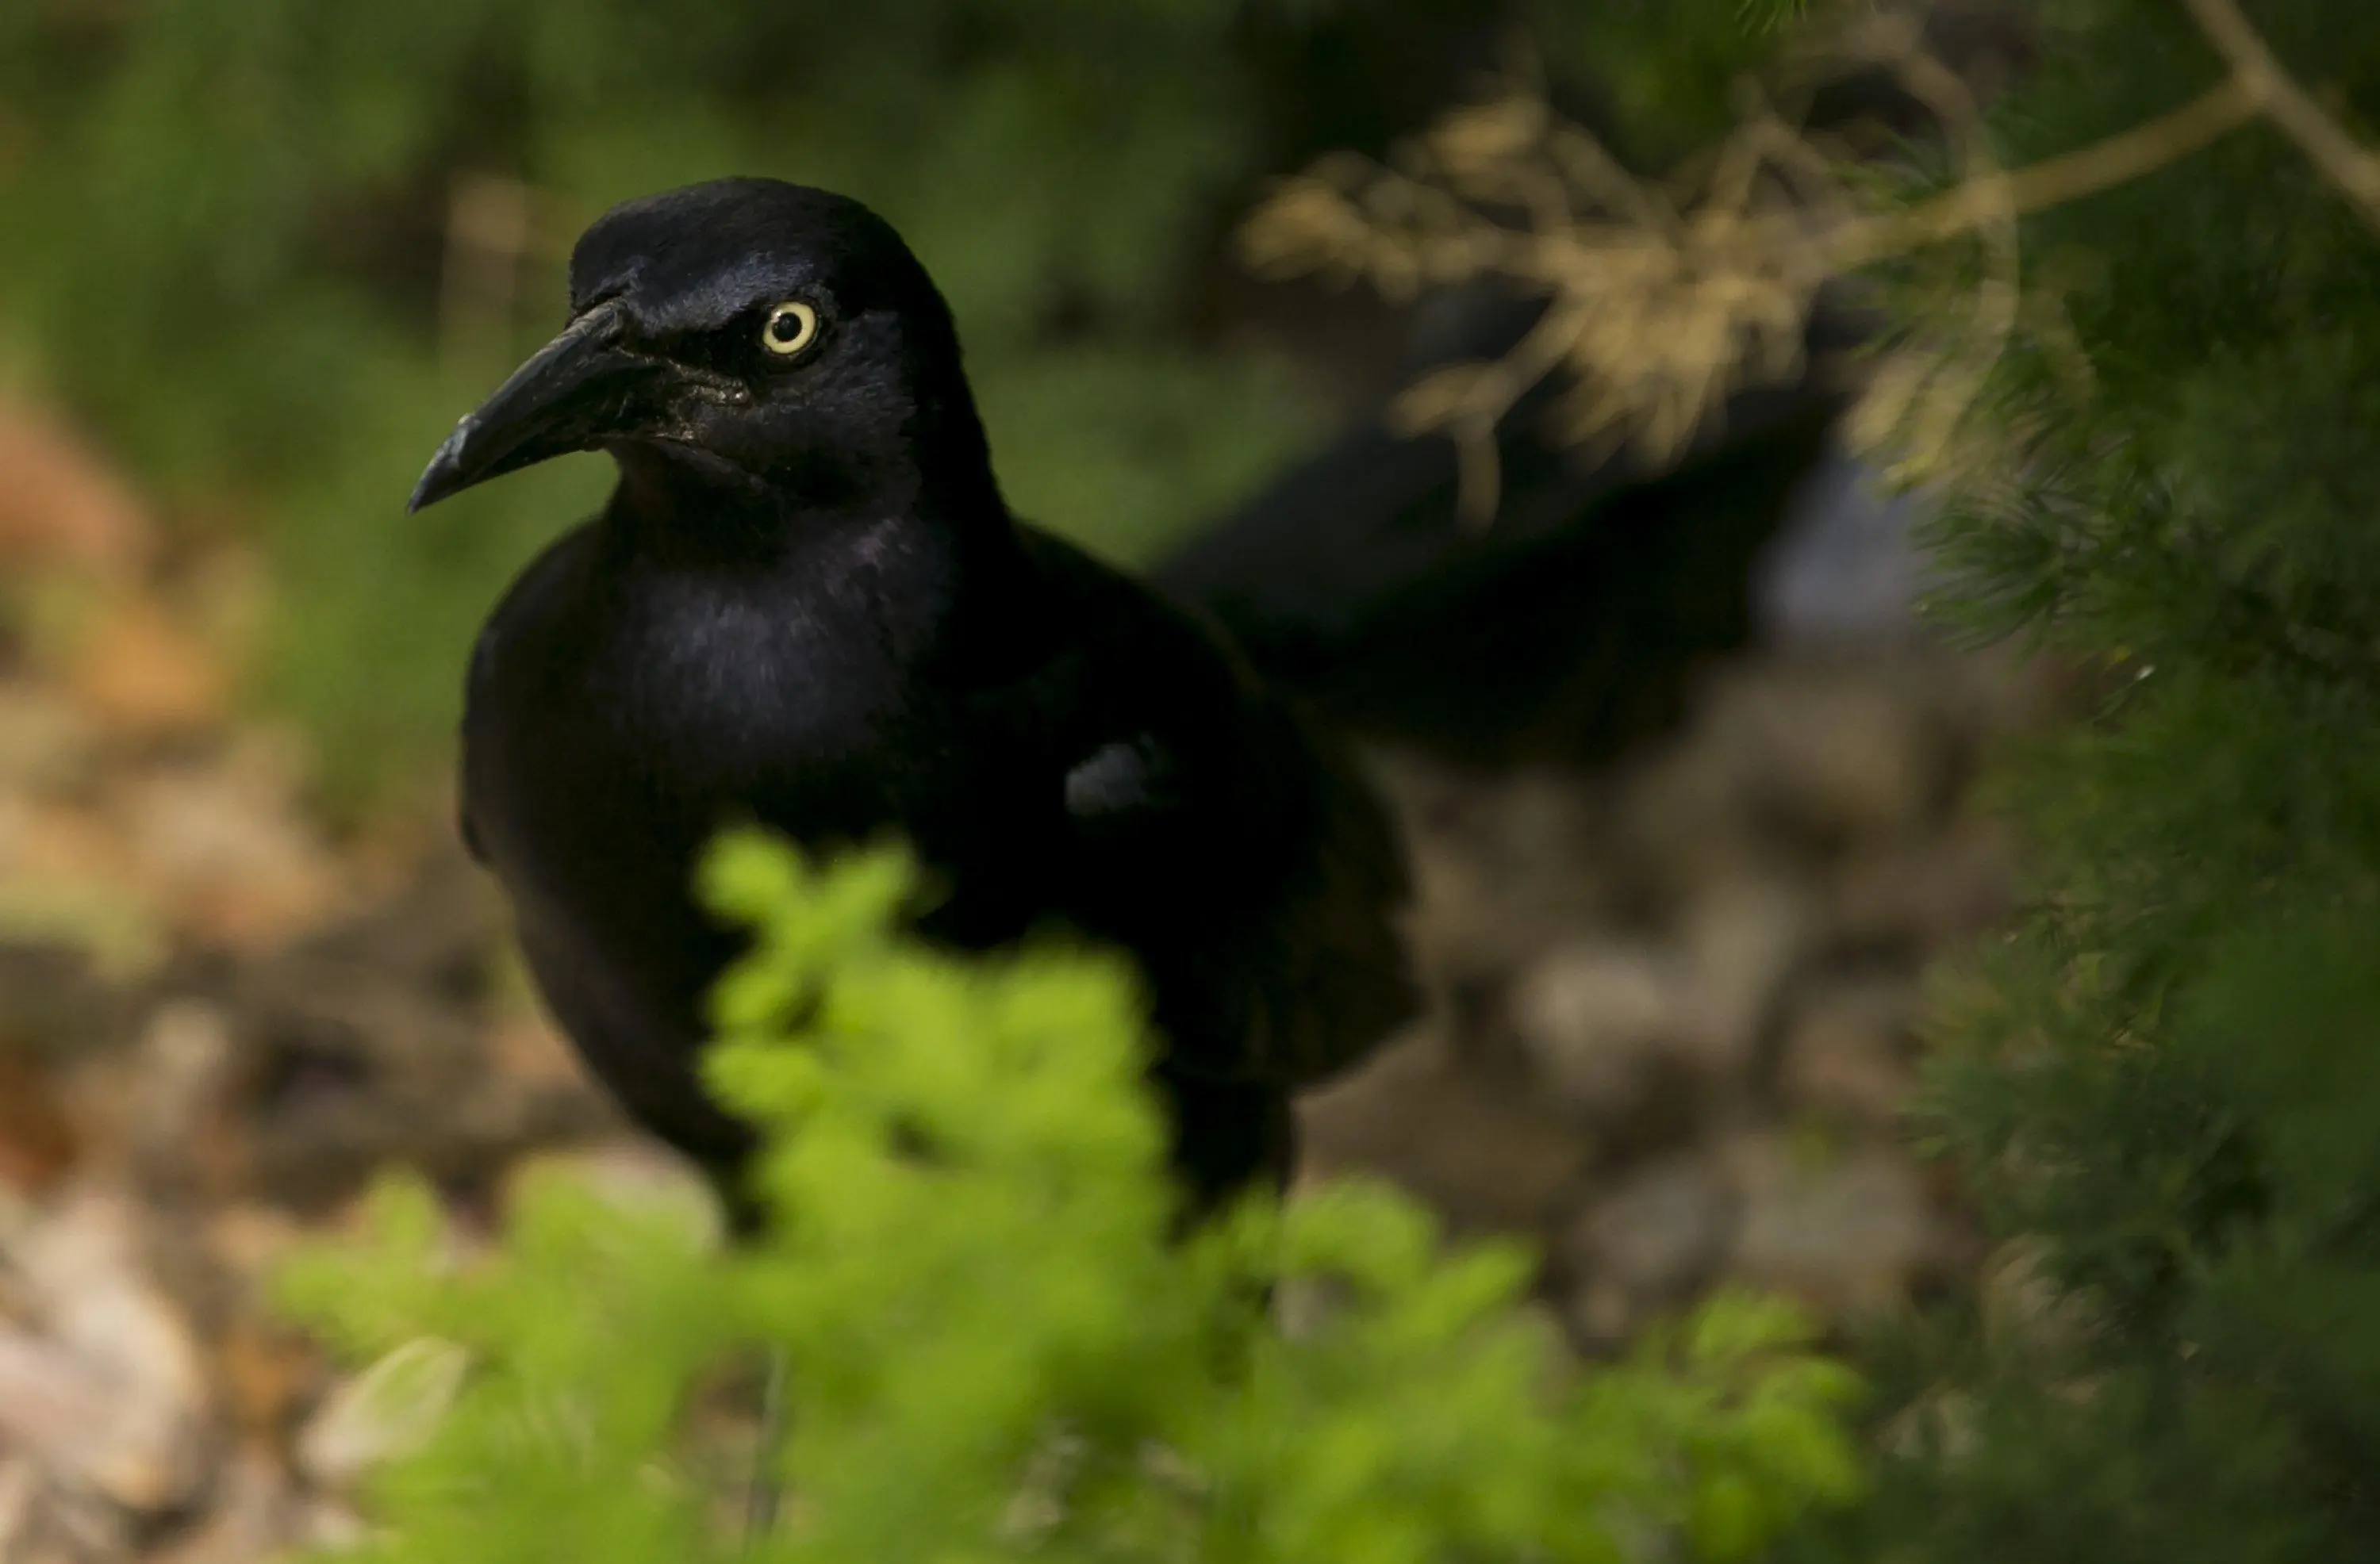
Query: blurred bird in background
1567	627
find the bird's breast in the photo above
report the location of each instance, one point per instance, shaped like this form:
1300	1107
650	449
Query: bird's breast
666	726
600	752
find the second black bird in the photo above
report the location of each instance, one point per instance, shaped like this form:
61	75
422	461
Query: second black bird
807	604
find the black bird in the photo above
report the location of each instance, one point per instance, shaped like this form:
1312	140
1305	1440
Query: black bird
807	604
1571	626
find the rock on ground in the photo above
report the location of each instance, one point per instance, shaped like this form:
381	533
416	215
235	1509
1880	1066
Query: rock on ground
1675	1006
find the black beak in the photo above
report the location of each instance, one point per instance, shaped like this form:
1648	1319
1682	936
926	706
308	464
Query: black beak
578	388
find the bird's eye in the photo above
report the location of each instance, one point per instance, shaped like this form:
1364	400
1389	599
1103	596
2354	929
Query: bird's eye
791	327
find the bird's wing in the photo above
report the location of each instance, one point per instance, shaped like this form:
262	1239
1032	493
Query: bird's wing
534	595
475	682
1233	849
1121	780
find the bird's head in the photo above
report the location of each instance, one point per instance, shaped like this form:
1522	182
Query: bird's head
744	334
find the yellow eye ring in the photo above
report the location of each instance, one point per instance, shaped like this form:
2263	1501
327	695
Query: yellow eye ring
791	327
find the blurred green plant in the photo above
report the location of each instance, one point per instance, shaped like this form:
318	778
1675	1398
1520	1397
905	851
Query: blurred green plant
997	1347
2162	1084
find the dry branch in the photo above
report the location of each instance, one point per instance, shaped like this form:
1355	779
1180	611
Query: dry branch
1664	299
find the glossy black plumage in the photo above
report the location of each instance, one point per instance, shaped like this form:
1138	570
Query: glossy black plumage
807	604
1570	627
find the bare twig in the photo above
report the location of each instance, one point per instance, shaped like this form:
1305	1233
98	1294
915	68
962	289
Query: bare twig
2270	88
2102	165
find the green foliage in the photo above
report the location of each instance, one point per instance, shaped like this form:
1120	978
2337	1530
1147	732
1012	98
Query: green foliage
2170	1074
997	1348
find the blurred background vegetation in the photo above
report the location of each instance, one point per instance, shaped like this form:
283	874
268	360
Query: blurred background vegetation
271	249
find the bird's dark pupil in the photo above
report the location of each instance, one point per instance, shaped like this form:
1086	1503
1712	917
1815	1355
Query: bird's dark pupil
785	327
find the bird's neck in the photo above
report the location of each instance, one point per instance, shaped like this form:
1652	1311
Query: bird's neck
922	557
923	462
